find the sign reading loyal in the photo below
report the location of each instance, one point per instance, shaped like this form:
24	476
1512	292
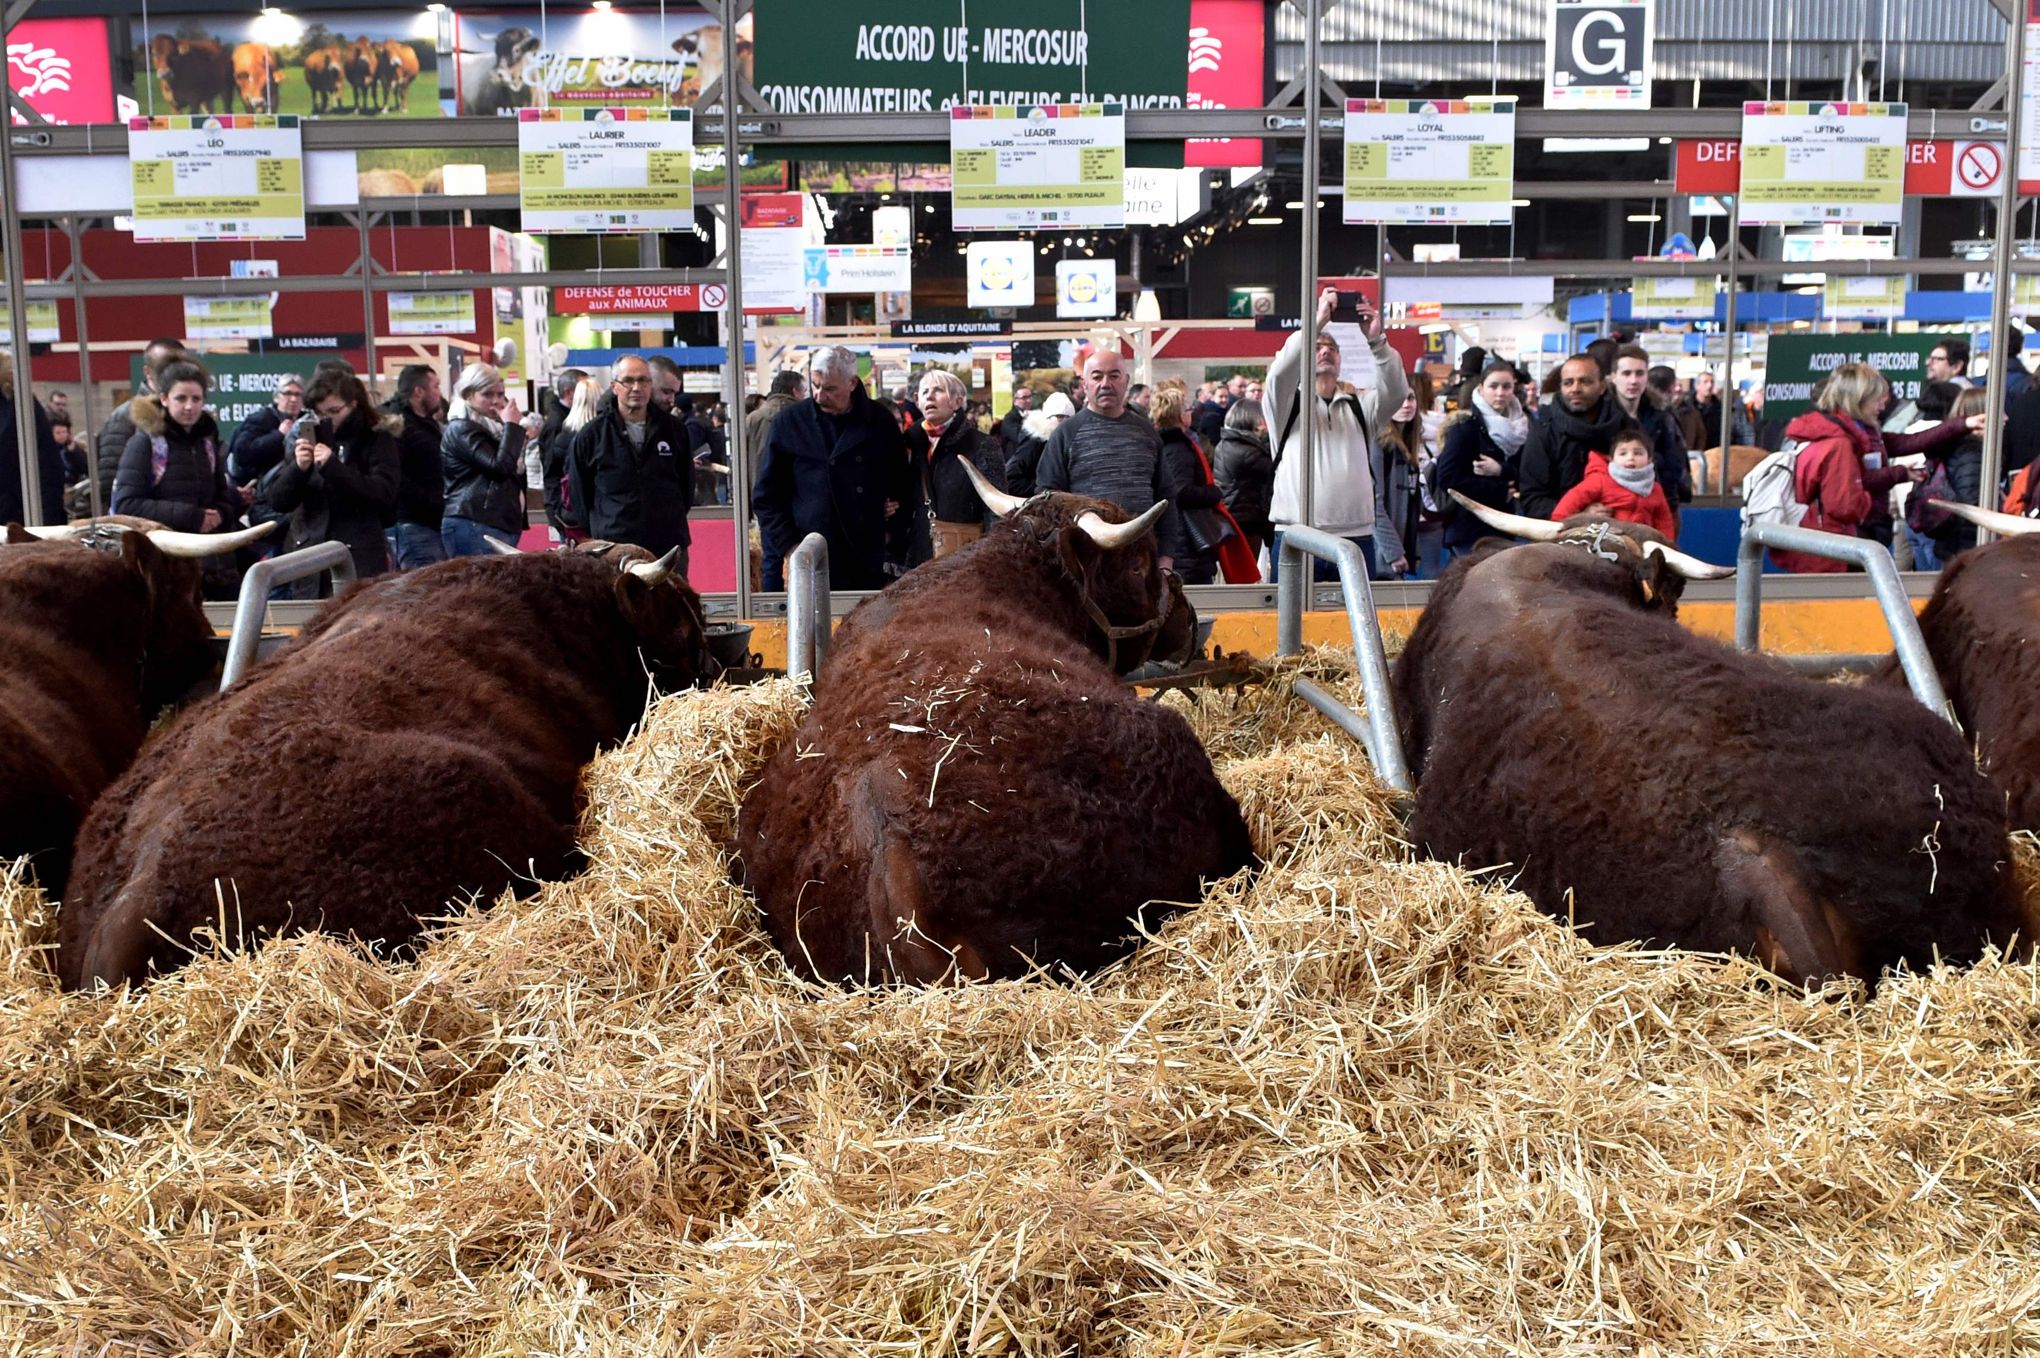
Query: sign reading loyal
1597	54
229	177
1411	161
883	56
599	170
1811	163
1040	165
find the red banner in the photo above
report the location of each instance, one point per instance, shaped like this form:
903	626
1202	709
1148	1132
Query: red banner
62	68
1227	50
628	299
1709	166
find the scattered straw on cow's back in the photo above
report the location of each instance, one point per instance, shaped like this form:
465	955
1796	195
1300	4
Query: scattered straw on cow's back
1363	1103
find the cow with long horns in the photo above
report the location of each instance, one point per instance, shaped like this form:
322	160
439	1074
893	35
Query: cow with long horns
975	793
101	626
1981	628
1829	830
421	740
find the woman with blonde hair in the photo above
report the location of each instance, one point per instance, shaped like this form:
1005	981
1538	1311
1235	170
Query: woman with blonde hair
1188	480
1827	476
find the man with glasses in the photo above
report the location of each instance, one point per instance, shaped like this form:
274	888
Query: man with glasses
628	469
1108	452
1949	362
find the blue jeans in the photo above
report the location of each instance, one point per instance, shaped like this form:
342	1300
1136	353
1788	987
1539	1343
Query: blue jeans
1324	572
413	545
465	537
1926	552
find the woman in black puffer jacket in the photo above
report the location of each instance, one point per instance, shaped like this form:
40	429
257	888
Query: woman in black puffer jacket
174	468
340	482
1245	471
482	454
1190	488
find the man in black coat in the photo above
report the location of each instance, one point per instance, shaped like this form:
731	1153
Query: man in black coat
552	443
120	425
628	471
835	464
421	487
1009	431
1584	419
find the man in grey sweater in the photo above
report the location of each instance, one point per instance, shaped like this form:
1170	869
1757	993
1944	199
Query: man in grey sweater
1108	452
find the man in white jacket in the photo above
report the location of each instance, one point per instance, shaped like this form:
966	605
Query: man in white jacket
1346	474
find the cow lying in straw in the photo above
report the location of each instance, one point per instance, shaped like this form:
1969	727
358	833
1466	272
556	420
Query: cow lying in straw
1651	784
422	739
100	627
975	793
1980	628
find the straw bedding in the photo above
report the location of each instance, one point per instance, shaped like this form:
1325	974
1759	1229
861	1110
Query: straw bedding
1356	1105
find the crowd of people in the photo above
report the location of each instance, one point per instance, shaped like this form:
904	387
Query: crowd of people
434	472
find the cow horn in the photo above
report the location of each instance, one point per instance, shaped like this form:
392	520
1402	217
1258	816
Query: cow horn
53	533
194	545
652	572
996	500
1692	567
1113	536
501	548
1516	525
2008	525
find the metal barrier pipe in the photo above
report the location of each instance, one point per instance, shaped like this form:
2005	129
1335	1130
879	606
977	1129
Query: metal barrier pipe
1379	735
253	605
807	607
1875	561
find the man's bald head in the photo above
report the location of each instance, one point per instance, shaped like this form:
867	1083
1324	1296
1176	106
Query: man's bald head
1104	377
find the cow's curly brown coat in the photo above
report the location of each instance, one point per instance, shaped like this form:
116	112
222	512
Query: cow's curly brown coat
1652	784
1980	628
92	643
973	765
422	739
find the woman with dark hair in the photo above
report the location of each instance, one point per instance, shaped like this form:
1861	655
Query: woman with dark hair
174	468
1480	446
342	476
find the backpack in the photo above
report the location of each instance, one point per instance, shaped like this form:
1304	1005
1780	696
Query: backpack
1770	493
1359	418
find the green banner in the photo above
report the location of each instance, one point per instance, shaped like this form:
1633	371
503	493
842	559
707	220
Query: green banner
1797	362
242	383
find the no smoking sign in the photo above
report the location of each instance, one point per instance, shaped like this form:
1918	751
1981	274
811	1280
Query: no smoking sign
1979	168
713	296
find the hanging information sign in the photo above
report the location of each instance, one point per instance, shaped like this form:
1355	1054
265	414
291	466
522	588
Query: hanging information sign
226	177
1041	165
1412	161
227	318
42	323
432	313
1856	298
1673	299
774	250
1809	163
857	268
601	170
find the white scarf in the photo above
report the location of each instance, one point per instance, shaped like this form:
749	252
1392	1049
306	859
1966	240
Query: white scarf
1508	431
1638	481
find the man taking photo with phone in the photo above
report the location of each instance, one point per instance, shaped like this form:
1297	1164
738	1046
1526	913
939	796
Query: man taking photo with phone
1346	474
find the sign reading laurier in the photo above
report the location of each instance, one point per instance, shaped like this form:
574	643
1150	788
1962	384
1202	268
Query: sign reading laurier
603	170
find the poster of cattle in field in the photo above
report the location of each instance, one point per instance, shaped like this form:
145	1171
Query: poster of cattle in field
378	64
509	61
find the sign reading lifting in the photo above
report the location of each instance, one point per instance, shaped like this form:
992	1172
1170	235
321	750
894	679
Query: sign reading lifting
225	177
1813	163
1410	161
1597	54
1048	165
596	171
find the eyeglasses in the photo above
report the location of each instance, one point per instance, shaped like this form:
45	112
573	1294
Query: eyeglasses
633	381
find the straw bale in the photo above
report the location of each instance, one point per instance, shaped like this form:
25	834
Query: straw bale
1352	1104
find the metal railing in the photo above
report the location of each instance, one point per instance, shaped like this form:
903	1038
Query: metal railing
1378	734
253	606
1875	561
807	607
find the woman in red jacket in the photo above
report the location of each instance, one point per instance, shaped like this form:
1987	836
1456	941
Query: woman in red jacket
1828	475
1622	483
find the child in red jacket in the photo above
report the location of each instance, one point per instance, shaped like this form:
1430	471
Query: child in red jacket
1622	483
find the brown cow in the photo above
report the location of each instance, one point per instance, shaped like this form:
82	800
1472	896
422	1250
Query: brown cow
325	72
1656	785
422	739
257	73
975	793
1980	627
98	631
195	73
396	67
362	61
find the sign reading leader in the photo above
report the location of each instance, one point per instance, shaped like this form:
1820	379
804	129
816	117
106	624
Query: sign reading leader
1597	54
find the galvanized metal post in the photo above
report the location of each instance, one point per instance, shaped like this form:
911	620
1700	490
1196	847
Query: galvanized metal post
367	299
87	411
733	261
1728	398
17	308
2001	270
1312	169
